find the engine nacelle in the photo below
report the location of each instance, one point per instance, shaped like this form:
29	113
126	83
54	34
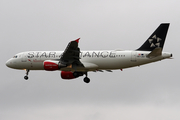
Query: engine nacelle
67	75
51	65
70	75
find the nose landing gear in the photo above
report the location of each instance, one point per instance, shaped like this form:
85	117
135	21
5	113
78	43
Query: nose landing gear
27	72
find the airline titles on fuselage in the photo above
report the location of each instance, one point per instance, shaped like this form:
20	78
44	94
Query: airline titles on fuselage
97	54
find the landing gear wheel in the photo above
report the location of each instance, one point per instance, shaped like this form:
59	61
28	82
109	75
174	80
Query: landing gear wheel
86	80
26	77
75	74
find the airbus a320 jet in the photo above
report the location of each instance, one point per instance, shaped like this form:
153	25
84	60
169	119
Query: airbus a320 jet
73	63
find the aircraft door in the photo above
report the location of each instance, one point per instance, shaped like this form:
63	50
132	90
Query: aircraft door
24	57
133	56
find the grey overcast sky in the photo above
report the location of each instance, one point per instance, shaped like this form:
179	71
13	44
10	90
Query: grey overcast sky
149	92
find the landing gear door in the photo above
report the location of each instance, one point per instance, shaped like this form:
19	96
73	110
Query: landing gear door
133	56
24	57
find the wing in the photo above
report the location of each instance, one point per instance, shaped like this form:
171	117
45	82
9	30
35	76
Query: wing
70	56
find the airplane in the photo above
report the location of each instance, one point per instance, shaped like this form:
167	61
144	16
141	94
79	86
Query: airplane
74	63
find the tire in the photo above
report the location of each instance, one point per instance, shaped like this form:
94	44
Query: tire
26	77
86	80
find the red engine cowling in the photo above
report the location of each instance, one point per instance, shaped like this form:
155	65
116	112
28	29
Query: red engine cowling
51	65
67	75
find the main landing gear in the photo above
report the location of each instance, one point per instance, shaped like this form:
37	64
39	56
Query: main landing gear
27	72
78	74
86	79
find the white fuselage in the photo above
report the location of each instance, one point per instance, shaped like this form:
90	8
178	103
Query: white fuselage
92	60
74	63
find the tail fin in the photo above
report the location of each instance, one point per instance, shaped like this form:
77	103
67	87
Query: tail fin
157	39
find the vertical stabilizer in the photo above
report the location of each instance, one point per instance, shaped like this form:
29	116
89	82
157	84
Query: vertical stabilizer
157	39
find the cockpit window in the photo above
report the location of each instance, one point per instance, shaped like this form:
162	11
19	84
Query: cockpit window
15	56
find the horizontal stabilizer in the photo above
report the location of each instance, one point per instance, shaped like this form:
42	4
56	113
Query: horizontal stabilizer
156	52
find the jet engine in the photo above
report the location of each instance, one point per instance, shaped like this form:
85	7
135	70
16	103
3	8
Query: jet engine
70	75
51	65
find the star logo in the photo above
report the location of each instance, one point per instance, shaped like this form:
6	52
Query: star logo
155	41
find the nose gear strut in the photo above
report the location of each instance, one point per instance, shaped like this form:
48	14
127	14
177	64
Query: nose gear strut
26	76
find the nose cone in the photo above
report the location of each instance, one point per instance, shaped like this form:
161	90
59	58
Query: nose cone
9	63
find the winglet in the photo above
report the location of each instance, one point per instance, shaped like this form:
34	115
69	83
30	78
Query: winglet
77	40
